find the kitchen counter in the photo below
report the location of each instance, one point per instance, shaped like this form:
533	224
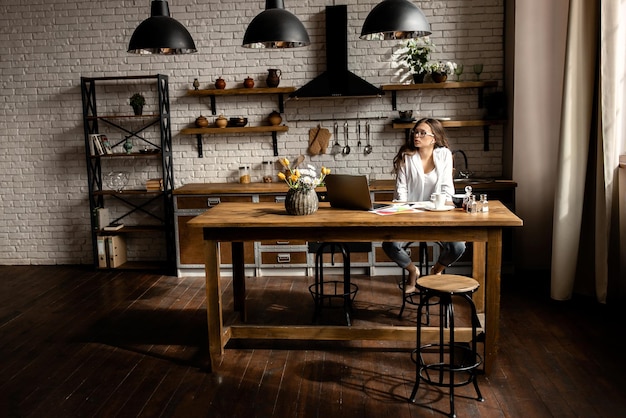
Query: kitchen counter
281	187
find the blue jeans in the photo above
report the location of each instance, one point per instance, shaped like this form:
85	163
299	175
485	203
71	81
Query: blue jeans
450	252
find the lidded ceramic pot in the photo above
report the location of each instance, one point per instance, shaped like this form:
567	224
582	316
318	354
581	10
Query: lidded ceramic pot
221	121
202	122
220	83
248	82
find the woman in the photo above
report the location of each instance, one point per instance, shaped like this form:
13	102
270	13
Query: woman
423	166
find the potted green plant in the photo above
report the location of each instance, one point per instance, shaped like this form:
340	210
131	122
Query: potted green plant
137	101
416	54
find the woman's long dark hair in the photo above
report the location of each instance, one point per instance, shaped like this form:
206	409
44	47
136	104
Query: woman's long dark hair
408	148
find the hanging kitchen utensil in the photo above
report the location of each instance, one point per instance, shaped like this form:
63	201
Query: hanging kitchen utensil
358	134
299	160
368	147
346	148
336	149
314	147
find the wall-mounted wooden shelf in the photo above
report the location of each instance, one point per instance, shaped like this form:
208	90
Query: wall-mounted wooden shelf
212	93
480	85
280	91
198	132
485	123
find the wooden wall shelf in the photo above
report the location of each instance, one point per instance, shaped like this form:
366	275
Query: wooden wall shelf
480	85
198	132
212	93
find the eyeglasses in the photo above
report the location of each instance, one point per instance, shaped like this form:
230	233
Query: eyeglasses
422	134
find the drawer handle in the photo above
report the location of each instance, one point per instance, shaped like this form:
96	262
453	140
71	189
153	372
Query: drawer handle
212	201
280	199
282	242
283	258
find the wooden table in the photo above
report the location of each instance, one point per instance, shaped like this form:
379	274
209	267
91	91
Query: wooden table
238	222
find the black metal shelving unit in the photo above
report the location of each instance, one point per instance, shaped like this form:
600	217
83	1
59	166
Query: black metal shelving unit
136	201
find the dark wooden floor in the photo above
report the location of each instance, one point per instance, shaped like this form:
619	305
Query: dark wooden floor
78	343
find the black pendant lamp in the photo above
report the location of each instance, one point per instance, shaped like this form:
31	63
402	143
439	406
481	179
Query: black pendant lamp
161	34
395	19
275	27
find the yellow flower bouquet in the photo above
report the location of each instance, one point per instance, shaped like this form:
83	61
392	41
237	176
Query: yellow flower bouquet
302	179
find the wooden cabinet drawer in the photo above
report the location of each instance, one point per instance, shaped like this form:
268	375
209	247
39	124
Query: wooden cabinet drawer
283	242
280	257
206	201
338	258
272	197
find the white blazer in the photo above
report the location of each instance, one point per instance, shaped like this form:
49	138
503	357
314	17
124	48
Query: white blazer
410	185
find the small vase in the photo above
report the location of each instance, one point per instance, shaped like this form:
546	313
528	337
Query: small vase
274	118
439	77
273	77
138	110
301	202
128	146
248	82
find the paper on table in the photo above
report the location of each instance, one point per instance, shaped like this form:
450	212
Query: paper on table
393	209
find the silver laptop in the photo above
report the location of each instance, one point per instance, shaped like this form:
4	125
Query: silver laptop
348	191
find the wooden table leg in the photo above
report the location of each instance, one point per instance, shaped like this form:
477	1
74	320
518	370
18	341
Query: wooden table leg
479	264
239	280
492	295
213	302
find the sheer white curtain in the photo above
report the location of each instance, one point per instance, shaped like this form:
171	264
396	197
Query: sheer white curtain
592	137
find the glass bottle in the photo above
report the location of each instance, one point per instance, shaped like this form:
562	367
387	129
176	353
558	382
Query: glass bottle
268	171
468	193
472	205
484	204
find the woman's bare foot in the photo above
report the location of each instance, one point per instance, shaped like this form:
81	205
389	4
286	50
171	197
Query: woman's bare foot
437	269
414	274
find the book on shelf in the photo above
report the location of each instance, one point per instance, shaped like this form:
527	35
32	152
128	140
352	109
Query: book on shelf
154	184
95	145
113	227
100	144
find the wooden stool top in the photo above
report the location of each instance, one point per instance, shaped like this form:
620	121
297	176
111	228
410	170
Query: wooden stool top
447	283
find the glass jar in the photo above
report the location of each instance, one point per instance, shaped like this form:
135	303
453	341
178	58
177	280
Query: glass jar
484	204
472	205
267	168
244	174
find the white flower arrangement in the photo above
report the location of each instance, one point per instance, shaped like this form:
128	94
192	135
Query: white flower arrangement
440	67
302	179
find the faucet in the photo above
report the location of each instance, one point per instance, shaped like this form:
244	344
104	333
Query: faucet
465	173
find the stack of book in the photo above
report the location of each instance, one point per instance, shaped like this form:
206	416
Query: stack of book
154	184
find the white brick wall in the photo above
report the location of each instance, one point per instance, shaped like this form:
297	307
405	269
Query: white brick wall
48	46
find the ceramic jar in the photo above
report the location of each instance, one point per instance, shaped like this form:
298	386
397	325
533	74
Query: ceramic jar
439	77
221	121
273	77
202	122
274	118
248	82
220	83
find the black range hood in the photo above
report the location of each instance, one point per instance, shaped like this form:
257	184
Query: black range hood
337	80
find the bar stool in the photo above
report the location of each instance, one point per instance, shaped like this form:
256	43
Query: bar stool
328	290
461	359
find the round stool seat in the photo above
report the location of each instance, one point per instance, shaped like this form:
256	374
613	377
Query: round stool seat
447	283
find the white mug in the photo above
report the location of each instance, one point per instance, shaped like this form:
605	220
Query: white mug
439	200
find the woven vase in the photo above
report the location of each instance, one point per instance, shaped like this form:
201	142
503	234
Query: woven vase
301	202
